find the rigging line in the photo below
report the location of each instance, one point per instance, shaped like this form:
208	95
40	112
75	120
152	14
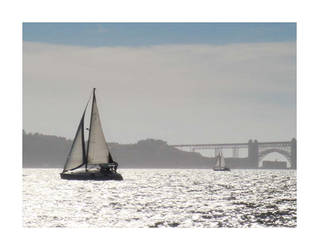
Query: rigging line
88	102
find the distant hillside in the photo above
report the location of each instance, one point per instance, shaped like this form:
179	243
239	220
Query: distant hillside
44	150
51	151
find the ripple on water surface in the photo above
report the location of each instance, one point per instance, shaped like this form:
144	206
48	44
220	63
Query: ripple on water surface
162	198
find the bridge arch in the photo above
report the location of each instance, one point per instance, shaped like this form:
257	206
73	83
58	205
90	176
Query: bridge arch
264	153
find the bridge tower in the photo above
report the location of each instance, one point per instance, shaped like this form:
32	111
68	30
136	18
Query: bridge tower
293	153
253	153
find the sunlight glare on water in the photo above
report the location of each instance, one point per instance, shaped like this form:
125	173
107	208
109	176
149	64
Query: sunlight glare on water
162	198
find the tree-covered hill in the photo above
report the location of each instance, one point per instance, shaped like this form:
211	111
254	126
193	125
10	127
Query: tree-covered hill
51	151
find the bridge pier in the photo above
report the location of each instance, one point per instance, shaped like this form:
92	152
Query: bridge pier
253	154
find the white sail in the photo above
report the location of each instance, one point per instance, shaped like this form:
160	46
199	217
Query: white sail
222	161
218	160
76	155
98	151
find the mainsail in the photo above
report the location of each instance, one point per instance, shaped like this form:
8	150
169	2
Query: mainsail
76	157
98	151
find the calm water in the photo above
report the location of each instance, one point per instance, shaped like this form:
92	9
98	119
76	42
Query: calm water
162	198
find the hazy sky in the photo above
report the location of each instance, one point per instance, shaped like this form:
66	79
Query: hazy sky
183	83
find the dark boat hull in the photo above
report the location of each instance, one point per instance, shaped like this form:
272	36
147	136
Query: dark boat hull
90	175
221	169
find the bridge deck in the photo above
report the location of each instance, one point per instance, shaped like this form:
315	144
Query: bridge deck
232	144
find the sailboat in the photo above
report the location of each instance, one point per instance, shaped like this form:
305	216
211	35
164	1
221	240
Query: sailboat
94	160
220	163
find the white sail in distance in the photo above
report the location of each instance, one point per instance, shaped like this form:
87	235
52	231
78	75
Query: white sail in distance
76	157
222	161
98	151
218	160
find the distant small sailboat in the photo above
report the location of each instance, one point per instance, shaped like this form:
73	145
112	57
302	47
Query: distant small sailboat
96	154
220	163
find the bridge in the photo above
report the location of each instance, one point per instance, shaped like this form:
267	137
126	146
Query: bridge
257	151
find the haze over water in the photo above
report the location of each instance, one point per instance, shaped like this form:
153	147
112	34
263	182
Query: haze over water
162	198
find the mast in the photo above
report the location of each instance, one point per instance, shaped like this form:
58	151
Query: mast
87	154
83	141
